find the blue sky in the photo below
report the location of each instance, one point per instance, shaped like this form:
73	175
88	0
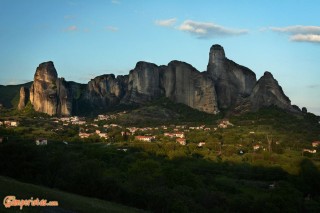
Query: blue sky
89	38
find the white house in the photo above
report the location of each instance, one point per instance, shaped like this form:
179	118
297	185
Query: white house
103	135
84	135
201	144
145	138
41	142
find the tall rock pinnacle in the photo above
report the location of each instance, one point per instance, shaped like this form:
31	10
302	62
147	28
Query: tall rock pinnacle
48	93
216	55
24	97
232	81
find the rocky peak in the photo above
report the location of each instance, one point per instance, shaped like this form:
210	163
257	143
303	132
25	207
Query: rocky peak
216	54
144	83
232	81
142	65
46	72
268	92
268	75
50	94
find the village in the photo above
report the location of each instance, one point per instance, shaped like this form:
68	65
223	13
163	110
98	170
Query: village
104	129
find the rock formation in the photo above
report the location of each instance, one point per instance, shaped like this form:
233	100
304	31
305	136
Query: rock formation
24	98
225	85
48	93
304	110
184	84
105	91
268	92
232	81
144	83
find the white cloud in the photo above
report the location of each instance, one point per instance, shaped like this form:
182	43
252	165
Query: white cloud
297	29
112	28
307	38
300	33
71	28
208	29
166	22
115	1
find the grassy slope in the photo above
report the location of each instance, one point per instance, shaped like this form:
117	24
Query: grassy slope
67	202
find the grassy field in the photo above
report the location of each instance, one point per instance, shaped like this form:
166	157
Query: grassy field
68	203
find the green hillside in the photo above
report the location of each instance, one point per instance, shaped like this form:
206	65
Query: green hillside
9	95
67	202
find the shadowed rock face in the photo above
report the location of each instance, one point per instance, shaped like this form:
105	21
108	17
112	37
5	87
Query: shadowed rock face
184	84
268	92
24	98
48	93
144	83
232	81
106	90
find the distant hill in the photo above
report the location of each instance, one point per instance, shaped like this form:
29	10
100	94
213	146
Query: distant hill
9	95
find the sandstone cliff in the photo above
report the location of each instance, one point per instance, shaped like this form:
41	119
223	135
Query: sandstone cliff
24	98
48	93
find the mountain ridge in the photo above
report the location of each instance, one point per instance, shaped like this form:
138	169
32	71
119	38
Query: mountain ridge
225	85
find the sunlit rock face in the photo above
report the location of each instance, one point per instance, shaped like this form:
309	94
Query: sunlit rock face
232	81
24	98
48	93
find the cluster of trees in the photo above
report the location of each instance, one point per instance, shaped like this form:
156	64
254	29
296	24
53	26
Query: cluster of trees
141	178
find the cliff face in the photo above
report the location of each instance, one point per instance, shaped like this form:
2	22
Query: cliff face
143	84
232	81
225	85
184	84
24	98
105	91
178	81
48	93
